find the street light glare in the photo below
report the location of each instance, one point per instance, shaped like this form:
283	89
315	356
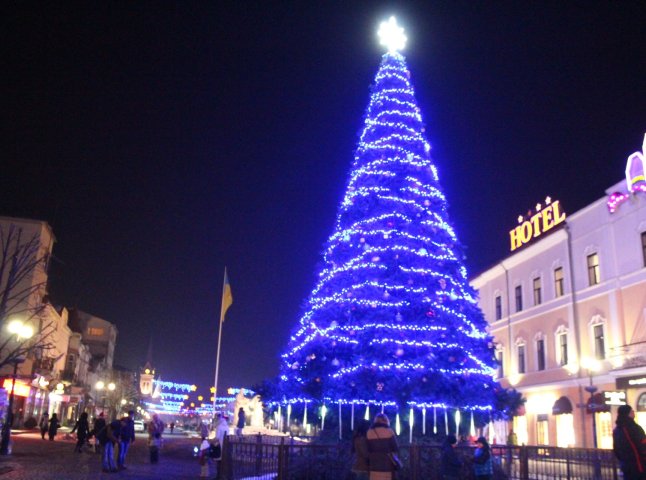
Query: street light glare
20	329
100	385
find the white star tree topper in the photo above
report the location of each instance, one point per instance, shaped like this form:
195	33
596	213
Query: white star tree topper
392	35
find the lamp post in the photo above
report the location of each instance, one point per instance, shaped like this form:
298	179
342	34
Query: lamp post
100	386
592	366
22	332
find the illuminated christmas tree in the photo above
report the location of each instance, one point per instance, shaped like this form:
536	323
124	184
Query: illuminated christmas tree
392	320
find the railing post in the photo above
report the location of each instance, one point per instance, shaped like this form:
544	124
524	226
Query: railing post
224	465
524	463
413	459
282	456
259	455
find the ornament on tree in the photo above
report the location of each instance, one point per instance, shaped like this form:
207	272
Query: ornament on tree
380	386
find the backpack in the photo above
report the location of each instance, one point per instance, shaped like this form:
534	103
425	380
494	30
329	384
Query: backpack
214	450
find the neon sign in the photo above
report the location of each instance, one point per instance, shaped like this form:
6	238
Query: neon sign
546	218
21	389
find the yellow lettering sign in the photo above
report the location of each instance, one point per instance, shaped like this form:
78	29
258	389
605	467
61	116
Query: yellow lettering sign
544	220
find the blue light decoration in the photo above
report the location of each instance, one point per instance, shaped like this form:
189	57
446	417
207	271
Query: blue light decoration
392	321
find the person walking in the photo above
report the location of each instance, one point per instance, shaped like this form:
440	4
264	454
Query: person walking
381	446
172	427
360	450
112	434
53	427
82	429
629	444
203	429
203	457
44	424
241	421
482	461
126	438
99	432
155	430
221	431
450	463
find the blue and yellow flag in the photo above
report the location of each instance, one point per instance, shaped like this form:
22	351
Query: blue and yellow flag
227	296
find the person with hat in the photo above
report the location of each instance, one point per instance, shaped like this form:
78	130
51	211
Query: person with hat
450	465
482	462
629	444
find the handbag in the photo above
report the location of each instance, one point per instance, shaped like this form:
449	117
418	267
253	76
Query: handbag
394	459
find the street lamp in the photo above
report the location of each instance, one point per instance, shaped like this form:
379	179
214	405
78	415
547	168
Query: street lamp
22	332
592	366
100	386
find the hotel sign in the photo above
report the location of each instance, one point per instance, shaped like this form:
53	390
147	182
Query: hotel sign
534	225
615	397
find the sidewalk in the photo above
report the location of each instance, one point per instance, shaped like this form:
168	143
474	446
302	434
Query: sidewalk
37	459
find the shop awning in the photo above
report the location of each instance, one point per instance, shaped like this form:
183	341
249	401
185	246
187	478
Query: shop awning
597	403
561	406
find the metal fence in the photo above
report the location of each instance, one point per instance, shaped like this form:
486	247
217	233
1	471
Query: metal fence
284	458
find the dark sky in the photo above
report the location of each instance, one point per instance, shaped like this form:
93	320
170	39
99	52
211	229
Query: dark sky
165	140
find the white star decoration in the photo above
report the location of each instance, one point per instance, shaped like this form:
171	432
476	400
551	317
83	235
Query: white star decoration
520	219
392	35
548	200
538	207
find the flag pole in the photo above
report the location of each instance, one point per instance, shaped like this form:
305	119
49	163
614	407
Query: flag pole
217	358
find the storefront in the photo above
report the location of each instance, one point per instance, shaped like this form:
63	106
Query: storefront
635	388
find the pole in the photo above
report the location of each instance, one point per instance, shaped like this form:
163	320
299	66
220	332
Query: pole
217	358
6	428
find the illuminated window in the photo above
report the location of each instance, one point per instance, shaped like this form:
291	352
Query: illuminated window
599	342
542	430
565	430
498	307
558	282
520	429
537	291
521	358
562	342
95	332
593	269
540	355
640	416
604	430
519	298
644	247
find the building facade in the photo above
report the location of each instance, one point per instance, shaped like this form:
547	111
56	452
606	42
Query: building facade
567	309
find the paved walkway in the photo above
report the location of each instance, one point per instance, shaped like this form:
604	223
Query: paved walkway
36	459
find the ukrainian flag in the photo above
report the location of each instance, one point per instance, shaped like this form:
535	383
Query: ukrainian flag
227	296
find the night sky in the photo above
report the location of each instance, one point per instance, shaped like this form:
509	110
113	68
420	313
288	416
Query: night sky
165	140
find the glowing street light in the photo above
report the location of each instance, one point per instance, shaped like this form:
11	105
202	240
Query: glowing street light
22	331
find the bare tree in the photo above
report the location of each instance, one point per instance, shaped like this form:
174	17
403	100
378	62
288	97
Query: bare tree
23	288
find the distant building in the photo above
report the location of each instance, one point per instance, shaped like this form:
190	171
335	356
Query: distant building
567	309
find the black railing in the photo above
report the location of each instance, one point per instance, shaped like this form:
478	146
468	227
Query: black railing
285	458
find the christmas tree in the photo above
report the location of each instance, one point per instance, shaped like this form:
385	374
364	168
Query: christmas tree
392	320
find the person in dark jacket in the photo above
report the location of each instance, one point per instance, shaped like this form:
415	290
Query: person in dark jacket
450	463
241	421
381	445
82	429
99	430
53	427
629	444
360	450
44	424
482	461
112	436
127	437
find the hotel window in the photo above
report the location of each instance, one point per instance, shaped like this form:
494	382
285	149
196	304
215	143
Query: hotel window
562	339
599	342
537	291
519	298
540	353
499	358
521	358
565	430
558	282
498	307
604	430
542	429
644	247
593	269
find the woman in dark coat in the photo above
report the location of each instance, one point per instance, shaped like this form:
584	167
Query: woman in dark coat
629	444
53	426
482	461
82	429
450	463
360	450
381	444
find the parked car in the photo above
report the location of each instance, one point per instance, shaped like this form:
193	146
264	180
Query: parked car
139	426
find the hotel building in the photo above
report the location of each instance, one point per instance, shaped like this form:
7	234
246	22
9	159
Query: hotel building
567	309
